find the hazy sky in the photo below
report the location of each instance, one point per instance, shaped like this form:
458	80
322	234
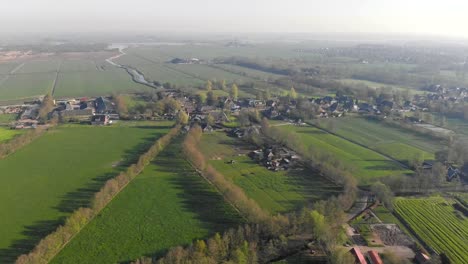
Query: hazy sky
438	17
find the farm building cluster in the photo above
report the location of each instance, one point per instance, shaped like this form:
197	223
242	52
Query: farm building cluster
275	158
97	111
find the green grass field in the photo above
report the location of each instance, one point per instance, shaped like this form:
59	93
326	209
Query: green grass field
95	83
435	222
398	143
368	165
274	191
59	172
49	65
167	205
6	133
26	85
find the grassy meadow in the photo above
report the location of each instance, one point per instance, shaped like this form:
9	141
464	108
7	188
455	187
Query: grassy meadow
167	205
60	171
276	192
367	164
398	143
7	134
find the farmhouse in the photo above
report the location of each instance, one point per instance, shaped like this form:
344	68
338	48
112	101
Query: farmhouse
100	120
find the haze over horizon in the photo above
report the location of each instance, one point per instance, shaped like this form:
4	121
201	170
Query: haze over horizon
444	18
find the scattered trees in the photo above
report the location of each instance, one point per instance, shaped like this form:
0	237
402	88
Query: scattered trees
47	106
383	194
209	86
293	93
234	92
182	118
121	105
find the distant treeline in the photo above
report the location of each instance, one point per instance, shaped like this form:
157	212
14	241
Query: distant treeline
49	246
59	48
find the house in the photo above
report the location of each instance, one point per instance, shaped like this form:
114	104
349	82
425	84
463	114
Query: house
100	120
452	173
359	257
427	165
422	258
102	105
207	128
374	257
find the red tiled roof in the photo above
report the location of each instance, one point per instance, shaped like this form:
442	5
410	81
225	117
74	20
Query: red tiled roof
375	258
359	257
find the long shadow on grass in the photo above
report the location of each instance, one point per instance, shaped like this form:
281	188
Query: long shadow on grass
33	234
311	185
197	196
70	202
82	196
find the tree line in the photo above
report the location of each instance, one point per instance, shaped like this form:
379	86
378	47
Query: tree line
51	245
266	237
19	141
317	159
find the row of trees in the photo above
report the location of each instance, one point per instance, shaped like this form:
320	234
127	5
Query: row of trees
19	141
259	243
232	193
317	159
49	246
267	237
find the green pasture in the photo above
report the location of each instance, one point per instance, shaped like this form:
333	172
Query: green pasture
43	182
167	205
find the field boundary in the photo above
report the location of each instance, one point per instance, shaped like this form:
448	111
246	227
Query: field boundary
52	244
359	144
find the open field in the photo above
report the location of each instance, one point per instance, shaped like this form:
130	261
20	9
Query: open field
26	85
398	143
94	83
167	205
435	221
368	165
59	172
6	133
38	66
248	72
376	85
274	191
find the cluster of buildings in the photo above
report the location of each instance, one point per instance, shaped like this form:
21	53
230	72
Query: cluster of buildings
185	61
98	111
373	257
275	158
441	93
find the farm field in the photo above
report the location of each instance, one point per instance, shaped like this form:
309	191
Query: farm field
6	133
206	72
40	66
276	192
19	86
167	205
95	83
368	165
376	85
398	143
434	220
65	167
248	72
